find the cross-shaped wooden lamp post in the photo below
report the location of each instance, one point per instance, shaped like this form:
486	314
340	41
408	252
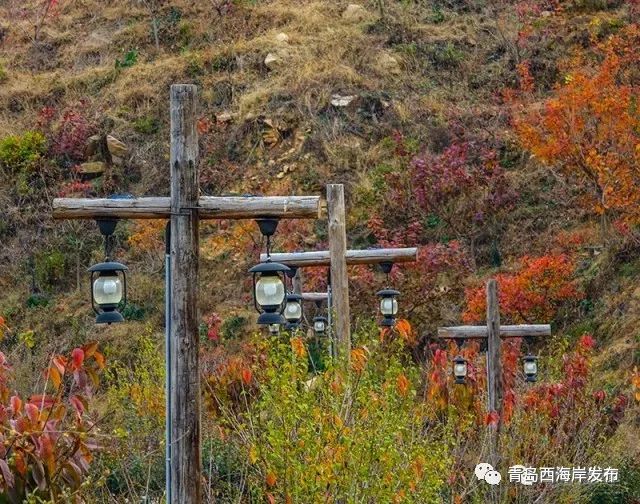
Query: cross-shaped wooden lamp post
337	258
184	209
493	332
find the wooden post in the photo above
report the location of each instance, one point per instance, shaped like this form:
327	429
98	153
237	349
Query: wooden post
339	279
185	372
297	282
494	366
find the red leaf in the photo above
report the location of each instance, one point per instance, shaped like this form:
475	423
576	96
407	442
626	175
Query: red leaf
78	403
32	412
42	401
6	473
247	375
16	405
61	363
492	419
78	357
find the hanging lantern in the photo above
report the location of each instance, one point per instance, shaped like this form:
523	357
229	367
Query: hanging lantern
320	326
293	310
108	290
460	369
530	365
388	306
269	292
268	281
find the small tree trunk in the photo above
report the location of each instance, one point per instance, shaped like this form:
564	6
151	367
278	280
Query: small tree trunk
154	25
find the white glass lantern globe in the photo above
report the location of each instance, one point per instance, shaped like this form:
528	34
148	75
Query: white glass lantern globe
388	306
293	311
270	290
107	289
293	308
319	326
460	369
530	365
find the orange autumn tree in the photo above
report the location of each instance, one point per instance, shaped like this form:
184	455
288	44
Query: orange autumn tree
533	294
590	126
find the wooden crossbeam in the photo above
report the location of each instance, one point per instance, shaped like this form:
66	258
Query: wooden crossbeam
369	256
506	331
209	207
315	296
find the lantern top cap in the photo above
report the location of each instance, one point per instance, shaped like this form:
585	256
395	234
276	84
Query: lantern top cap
530	357
108	266
459	359
293	297
269	267
388	293
386	267
267	225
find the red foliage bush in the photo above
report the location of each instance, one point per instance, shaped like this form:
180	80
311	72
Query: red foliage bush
533	294
46	445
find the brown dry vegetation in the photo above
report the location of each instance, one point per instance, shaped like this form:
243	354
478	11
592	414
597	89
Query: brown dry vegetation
434	71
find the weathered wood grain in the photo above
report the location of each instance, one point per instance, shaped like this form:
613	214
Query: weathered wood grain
508	331
368	256
185	367
209	207
338	263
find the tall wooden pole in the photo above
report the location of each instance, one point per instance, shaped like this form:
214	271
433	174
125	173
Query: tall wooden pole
494	368
339	279
493	348
185	372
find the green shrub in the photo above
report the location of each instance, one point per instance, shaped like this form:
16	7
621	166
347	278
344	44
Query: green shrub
626	490
130	59
232	327
146	125
21	153
49	269
446	56
195	65
357	437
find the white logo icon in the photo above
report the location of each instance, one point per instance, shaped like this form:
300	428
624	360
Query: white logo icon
486	472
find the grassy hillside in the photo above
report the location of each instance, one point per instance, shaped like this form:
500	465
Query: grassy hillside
416	106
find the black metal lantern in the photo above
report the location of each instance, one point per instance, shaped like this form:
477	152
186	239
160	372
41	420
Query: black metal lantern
388	299
320	325
268	281
108	278
388	306
293	310
530	367
269	292
460	368
108	290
